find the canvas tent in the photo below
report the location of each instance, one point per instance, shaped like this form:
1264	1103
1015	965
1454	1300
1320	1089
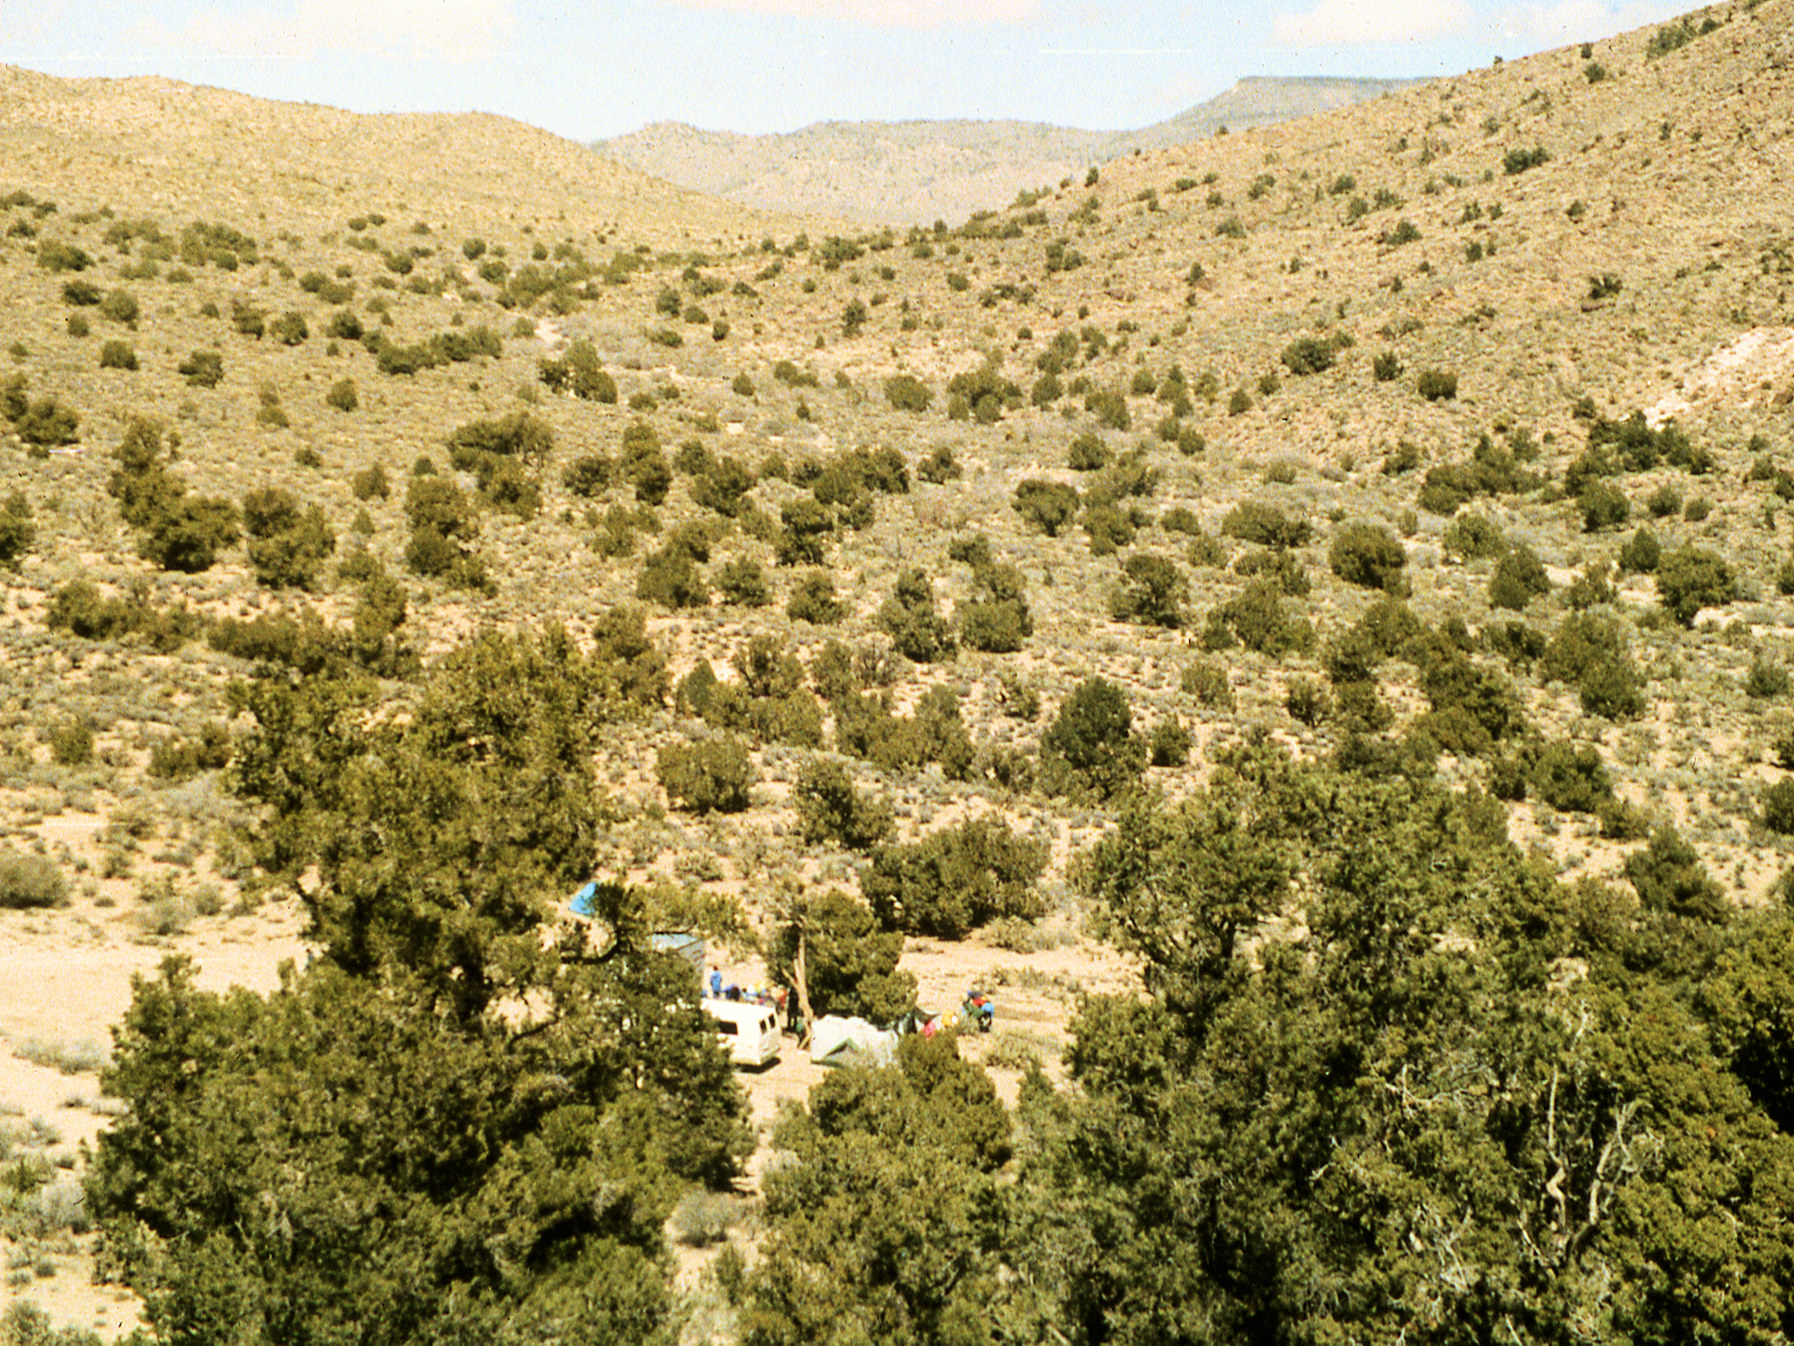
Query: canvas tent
835	1041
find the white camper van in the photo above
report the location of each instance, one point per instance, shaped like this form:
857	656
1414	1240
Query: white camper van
751	1031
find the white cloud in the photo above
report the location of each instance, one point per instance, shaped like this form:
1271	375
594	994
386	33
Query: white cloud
445	29
1569	21
1342	23
888	13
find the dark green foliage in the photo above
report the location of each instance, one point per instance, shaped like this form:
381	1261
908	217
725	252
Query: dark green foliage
1748	1002
888	1223
1266	525
955	880
813	600
1669	877
79	608
204	369
1778	808
1275	1093
643	465
1691	578
1640	553
1314	355
866	728
1046	505
1766	679
1571	777
1387	367
1474	536
1255	617
1207	681
670	578
985	392
41	422
1492	470
742	582
1110	528
30	881
939	467
1437	385
711	776
117	354
287	546
1087	453
1517	161
1518	579
1603	506
1090	747
723	487
581	373
1473	706
18	534
1152	592
996	618
850	963
444	527
1368	555
830	809
588	475
178	757
1169	744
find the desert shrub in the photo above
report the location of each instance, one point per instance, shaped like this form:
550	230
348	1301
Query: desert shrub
1108	526
55	255
711	776
1169	744
1603	506
1492	470
1641	552
1473	536
343	395
955	880
723	487
1046	505
287	546
17	531
1691	578
672	579
117	354
588	475
290	329
188	533
581	373
1312	355
30	881
1207	681
939	467
1256	522
830	809
985	392
742	583
643	465
1387	367
203	369
906	392
910	618
1665	502
1152	592
1255	617
995	619
177	757
1669	877
1437	385
1570	777
1087	453
1368	555
1518	579
71	742
850	964
813	600
1473	706
1517	161
371	483
1090	746
1766	679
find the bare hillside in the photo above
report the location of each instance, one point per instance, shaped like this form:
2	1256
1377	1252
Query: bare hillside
919	171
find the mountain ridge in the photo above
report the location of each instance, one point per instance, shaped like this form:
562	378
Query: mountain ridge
915	170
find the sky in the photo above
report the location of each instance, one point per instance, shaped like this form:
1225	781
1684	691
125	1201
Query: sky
606	67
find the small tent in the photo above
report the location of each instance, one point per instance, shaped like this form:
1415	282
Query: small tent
835	1041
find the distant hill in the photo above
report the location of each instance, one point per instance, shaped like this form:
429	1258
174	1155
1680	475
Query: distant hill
920	171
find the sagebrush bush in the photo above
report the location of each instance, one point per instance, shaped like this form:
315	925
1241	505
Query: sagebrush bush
712	776
30	881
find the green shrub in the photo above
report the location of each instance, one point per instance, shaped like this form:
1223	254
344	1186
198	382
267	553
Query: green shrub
850	964
1669	877
287	546
1090	746
1691	578
1387	367
1170	743
1047	505
643	465
939	467
1437	385
910	618
1087	453
1266	525
711	776
1571	777
813	600
1603	506
371	483
1518	579
1473	536
1368	555
188	534
588	475
1766	679
1256	619
1640	553
955	880
742	583
1152	593
1207	681
343	395
30	881
1310	355
117	354
670	578
17	531
71	742
830	809
203	369
1517	161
